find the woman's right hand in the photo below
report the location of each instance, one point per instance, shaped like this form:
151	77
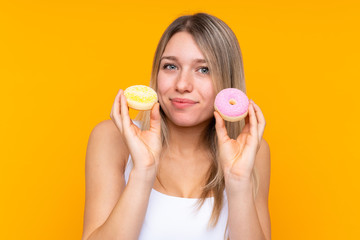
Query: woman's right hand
144	146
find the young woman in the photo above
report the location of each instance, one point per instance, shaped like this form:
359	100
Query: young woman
181	171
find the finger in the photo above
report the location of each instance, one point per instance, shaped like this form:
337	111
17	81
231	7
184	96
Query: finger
253	121
113	106
247	117
260	119
155	119
247	124
220	128
126	122
115	111
252	143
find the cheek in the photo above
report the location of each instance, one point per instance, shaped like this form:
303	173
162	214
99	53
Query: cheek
208	92
162	86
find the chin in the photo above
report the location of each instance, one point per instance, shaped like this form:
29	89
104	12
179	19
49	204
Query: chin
188	121
188	118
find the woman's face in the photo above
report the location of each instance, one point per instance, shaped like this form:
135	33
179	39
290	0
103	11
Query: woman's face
185	89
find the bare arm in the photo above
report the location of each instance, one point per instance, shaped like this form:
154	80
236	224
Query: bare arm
248	217
112	211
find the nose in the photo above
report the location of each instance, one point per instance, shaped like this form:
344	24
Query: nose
184	81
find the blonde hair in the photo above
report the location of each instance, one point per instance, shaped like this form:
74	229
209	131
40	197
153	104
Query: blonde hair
221	50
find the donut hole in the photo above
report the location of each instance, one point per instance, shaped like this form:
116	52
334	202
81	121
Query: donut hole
232	102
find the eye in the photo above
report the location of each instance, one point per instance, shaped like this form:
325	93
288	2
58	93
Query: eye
169	66
204	70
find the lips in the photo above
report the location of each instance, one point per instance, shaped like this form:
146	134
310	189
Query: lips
183	100
182	103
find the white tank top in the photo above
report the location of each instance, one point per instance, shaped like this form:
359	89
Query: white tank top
175	218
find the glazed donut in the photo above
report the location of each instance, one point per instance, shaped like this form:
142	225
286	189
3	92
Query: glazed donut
140	97
232	104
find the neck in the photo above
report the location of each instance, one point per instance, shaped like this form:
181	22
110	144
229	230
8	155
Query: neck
186	141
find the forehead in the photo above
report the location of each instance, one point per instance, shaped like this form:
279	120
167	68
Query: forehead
183	46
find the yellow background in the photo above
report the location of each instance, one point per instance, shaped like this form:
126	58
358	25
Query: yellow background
62	63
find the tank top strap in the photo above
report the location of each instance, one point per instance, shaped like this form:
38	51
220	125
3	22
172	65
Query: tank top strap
128	168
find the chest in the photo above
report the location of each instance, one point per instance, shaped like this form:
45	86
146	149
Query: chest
182	178
175	218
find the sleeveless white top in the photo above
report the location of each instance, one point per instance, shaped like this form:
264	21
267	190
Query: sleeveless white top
175	218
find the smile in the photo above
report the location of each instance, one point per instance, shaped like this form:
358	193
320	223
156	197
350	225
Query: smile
182	102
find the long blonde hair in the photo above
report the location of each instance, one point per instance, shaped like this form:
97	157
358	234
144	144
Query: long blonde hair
221	50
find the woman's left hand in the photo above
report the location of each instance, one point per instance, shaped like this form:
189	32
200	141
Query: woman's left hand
237	157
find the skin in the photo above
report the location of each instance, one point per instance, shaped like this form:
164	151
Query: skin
183	75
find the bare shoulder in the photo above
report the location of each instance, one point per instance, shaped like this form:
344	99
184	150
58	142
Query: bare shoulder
106	158
262	165
262	161
106	127
105	143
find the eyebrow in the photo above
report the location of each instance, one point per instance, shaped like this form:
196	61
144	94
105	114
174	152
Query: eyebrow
197	60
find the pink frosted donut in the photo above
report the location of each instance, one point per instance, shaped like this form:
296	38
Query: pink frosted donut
232	104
